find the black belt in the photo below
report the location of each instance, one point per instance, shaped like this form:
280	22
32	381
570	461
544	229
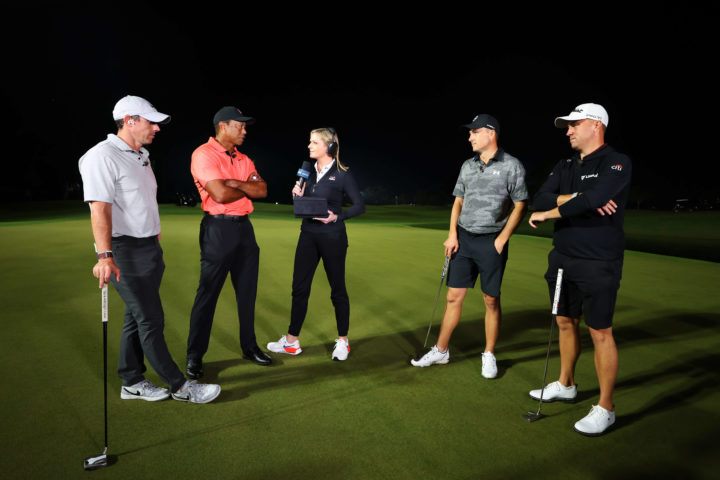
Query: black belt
478	234
135	240
232	218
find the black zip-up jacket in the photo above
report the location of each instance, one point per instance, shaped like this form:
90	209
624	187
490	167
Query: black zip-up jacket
332	186
602	176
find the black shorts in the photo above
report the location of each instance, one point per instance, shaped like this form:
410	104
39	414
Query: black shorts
476	255
588	286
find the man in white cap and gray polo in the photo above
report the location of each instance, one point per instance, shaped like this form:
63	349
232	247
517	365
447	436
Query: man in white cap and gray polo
586	195
119	184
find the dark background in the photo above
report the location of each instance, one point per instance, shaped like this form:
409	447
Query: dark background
396	83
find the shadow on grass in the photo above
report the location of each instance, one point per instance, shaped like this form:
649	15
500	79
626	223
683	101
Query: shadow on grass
702	378
384	360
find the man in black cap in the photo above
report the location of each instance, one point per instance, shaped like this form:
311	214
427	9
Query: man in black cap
490	201
227	181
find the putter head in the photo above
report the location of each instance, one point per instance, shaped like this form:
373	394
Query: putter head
93	463
533	416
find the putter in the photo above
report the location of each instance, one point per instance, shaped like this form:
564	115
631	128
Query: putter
102	460
442	277
532	416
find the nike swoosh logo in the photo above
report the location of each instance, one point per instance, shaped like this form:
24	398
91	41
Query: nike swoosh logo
137	394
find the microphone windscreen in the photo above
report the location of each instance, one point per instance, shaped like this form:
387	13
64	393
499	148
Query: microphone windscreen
304	171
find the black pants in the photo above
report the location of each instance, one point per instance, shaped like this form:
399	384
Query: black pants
311	247
141	265
226	245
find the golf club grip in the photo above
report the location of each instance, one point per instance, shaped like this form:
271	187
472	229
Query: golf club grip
445	267
105	303
556	300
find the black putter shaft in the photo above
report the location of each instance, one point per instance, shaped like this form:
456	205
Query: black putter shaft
99	461
105	380
532	416
437	297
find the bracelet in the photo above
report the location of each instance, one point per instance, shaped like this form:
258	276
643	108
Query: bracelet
106	254
574	195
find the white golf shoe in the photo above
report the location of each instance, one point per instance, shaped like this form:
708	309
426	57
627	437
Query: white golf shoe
144	390
283	346
489	365
434	356
194	392
341	350
596	422
556	391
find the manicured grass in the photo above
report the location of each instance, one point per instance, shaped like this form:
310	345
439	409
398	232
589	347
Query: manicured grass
685	234
372	416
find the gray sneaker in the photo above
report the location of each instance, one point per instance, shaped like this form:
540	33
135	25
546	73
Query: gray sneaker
194	392
144	390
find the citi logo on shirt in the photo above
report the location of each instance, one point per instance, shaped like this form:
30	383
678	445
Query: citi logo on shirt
594	175
617	167
332	179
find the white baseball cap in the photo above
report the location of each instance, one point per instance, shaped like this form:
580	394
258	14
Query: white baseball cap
593	111
132	105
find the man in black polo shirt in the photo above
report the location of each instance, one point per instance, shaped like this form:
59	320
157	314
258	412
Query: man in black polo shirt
587	194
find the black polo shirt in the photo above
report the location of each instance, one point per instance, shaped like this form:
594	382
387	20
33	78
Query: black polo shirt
602	176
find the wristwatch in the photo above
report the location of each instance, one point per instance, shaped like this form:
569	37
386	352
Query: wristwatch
106	254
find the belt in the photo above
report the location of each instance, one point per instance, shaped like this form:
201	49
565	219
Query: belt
232	218
135	240
478	234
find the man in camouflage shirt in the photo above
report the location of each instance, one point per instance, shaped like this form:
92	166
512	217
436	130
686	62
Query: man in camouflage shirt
490	202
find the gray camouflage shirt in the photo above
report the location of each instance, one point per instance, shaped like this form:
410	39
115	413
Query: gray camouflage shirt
488	191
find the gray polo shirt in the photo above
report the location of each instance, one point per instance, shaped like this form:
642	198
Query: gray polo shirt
488	191
112	172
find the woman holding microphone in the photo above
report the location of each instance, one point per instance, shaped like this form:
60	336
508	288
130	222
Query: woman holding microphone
323	238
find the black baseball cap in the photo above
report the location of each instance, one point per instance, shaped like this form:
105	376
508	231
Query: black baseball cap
484	121
225	114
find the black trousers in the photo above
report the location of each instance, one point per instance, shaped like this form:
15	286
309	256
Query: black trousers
141	265
332	249
227	245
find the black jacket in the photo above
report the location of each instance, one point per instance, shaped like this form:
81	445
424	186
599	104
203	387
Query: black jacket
332	186
602	176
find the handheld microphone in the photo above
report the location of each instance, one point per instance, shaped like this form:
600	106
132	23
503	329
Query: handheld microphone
303	173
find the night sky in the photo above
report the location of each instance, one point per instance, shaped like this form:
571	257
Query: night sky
397	86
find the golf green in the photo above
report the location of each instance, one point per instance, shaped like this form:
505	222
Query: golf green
372	416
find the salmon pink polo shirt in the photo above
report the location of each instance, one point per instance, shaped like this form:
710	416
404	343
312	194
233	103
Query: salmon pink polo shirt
210	161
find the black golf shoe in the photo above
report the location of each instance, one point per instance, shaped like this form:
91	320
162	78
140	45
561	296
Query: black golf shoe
258	356
194	368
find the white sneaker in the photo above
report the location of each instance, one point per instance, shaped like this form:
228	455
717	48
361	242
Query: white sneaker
434	356
342	348
556	391
596	422
282	346
489	365
144	390
194	392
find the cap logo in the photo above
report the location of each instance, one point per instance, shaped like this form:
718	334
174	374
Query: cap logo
578	110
